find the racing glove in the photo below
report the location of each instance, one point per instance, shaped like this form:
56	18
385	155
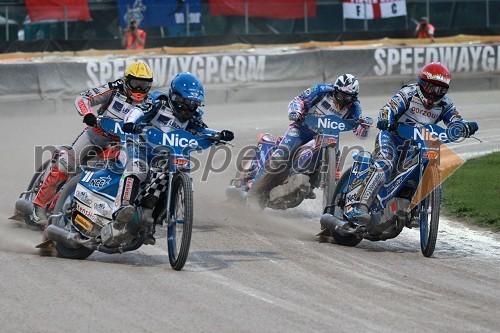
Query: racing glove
471	128
226	135
294	116
383	124
129	128
90	119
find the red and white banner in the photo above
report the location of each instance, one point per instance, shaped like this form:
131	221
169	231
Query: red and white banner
58	10
373	9
264	8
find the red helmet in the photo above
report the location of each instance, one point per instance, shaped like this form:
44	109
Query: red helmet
433	81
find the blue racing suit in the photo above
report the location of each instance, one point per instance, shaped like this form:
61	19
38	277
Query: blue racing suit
138	157
319	101
405	107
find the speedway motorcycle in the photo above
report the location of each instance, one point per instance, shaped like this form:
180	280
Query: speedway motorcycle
24	207
411	198
81	221
315	164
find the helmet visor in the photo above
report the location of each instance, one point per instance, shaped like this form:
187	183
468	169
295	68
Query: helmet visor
185	104
138	85
432	90
343	97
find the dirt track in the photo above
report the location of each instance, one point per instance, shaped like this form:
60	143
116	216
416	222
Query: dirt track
248	272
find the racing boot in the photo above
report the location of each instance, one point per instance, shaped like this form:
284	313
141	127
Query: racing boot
311	195
359	212
124	202
272	174
147	217
46	193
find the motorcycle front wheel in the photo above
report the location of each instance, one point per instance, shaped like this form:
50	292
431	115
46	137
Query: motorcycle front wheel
180	220
430	208
329	177
63	205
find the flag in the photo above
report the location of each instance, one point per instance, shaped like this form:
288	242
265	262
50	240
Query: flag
159	13
373	9
285	9
43	10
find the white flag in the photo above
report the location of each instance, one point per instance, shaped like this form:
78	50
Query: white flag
373	9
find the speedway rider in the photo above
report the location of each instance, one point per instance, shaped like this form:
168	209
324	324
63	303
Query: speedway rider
423	103
177	109
115	99
339	99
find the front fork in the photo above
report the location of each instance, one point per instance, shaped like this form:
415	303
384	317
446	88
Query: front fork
170	217
325	168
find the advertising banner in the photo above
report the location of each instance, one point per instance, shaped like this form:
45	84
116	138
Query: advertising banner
71	76
58	10
159	13
373	9
289	9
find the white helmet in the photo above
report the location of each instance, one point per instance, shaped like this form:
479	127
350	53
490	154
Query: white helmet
346	89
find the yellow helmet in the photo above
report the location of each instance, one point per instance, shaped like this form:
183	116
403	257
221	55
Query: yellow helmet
138	80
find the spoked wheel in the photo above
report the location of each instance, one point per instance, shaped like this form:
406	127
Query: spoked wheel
33	187
63	205
335	210
180	221
429	218
329	177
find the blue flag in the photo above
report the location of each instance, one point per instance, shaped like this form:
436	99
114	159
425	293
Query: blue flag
159	13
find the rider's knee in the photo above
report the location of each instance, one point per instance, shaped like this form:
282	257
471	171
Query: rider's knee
66	162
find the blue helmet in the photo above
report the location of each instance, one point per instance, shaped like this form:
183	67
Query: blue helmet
186	95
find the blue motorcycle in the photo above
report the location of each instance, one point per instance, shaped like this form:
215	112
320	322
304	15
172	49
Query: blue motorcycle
315	164
81	221
410	198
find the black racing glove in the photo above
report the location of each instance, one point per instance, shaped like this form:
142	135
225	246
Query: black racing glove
383	124
129	128
226	135
471	128
90	119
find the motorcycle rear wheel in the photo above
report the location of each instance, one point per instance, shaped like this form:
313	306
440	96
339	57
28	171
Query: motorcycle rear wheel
345	240
62	204
429	217
180	229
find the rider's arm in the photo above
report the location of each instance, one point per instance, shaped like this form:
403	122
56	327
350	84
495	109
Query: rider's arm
356	113
197	126
396	106
451	117
95	96
299	106
450	113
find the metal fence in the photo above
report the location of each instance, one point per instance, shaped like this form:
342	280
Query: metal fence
105	23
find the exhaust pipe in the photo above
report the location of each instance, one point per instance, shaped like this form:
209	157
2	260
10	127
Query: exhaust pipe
60	235
328	221
72	239
24	206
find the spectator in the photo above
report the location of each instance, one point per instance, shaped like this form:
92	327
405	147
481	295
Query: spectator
425	29
134	38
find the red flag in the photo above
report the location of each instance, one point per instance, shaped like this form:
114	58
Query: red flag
286	9
41	10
